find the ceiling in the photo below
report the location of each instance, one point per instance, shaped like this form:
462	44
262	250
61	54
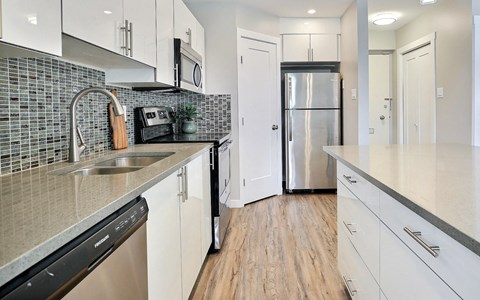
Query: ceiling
406	10
293	8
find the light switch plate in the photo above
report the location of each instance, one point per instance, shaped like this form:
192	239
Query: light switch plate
354	94
440	92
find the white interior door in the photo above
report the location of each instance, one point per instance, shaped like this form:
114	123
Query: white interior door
259	114
419	96
380	109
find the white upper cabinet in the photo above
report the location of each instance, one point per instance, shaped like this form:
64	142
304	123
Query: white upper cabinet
141	15
33	24
165	35
310	47
188	28
296	47
324	47
125	27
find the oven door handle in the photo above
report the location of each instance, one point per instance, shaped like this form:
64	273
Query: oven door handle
212	159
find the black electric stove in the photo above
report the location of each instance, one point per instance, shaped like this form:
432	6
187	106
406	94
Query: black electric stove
154	125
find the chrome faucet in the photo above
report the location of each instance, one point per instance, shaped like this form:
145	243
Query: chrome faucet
75	149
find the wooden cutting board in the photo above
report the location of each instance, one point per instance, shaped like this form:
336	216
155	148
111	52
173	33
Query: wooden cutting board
118	127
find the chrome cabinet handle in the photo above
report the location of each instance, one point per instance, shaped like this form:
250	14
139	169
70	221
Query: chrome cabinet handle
416	236
131	39
212	162
185	182
349	179
311	56
352	231
125	38
189	33
350	287
181	183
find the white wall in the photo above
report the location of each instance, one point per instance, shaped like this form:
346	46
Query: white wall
452	22
309	25
220	21
381	40
349	70
254	20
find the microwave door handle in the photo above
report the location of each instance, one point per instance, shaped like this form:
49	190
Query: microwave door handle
197	67
176	79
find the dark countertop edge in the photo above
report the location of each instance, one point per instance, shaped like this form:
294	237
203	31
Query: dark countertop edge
17	266
464	239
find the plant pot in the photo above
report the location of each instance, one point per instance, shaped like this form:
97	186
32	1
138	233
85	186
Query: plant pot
189	127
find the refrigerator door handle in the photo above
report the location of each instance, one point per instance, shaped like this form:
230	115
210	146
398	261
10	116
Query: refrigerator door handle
288	95
289	126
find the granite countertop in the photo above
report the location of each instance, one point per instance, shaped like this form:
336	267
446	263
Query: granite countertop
40	210
441	183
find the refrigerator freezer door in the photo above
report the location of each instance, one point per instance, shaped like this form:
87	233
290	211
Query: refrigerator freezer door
312	90
308	166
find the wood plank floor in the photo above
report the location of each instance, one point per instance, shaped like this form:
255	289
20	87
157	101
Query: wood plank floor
282	247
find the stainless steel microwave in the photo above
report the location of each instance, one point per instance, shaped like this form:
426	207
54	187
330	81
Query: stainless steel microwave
188	67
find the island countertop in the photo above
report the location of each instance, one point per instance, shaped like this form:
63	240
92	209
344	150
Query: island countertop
42	210
441	183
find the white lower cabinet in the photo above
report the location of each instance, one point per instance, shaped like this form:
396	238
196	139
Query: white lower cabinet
176	230
404	276
378	258
356	276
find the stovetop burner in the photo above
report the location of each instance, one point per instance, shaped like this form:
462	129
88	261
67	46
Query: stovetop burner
200	137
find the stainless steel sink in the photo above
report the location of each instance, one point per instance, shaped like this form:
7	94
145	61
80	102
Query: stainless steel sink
129	162
104	170
134	161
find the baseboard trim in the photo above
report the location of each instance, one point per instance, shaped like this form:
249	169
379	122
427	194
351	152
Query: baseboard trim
234	203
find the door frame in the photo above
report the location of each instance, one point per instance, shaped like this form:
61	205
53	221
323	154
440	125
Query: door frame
260	37
429	39
391	122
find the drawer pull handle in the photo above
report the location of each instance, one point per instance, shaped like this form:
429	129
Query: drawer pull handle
352	231
350	287
416	236
349	179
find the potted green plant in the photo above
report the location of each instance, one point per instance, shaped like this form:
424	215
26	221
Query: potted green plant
188	114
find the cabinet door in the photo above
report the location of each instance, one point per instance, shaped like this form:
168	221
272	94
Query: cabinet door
324	47
163	240
32	24
141	13
165	35
404	276
96	22
191	225
184	23
296	47
207	206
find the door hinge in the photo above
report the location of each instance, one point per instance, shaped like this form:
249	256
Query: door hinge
241	59
243	181
243	121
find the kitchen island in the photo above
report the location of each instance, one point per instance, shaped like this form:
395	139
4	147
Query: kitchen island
44	208
421	198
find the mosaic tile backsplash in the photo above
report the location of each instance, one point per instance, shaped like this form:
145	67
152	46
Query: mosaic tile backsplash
35	96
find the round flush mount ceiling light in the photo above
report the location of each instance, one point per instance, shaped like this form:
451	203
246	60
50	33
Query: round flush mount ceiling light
384	19
311	11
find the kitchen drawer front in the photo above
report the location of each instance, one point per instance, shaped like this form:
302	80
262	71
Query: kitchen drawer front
404	276
364	190
361	227
455	264
356	276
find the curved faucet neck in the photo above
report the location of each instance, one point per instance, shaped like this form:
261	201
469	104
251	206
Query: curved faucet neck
75	149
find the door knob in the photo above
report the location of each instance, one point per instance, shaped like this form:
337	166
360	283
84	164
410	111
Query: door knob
382	117
274	127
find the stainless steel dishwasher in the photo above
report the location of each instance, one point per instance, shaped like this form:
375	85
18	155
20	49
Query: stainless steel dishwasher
109	261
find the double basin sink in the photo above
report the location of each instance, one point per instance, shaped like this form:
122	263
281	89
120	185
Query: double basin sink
119	165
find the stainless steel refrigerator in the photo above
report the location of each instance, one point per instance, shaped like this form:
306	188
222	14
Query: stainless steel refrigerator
312	120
